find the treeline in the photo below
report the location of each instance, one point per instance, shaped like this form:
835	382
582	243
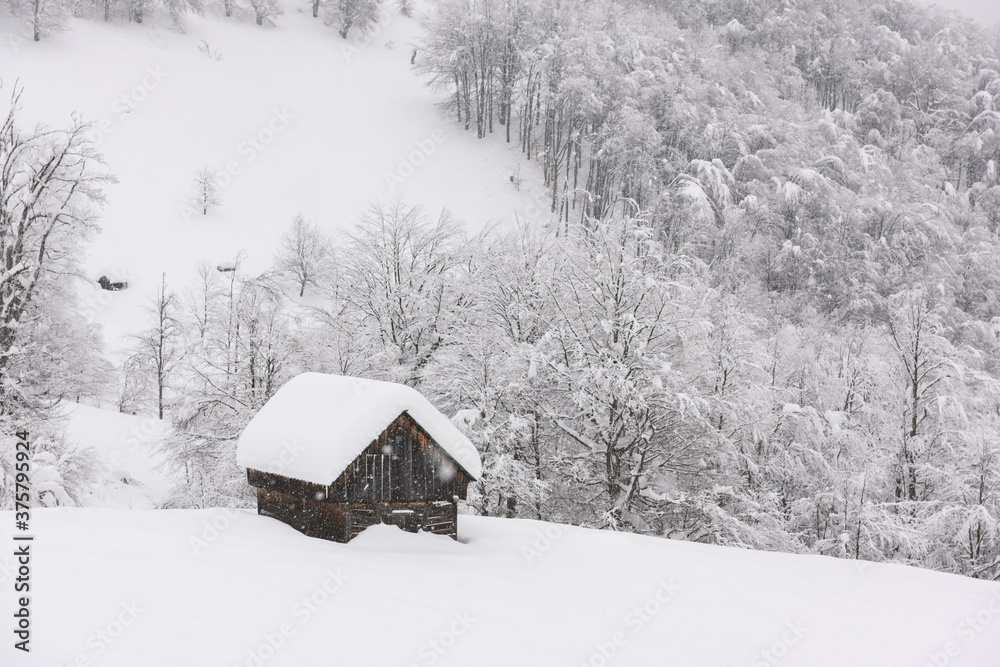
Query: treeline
693	103
42	18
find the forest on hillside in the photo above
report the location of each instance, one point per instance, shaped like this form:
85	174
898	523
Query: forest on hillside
763	309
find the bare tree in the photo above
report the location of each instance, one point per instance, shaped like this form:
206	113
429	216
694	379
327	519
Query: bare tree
400	275
161	348
304	254
925	360
43	17
133	386
202	295
206	191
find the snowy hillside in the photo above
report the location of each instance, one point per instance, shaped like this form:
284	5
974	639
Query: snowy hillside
125	445
304	122
755	302
217	588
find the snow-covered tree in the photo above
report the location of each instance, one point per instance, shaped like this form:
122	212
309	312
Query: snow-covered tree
43	17
360	15
159	349
615	346
50	194
61	474
304	254
400	276
229	374
206	193
265	9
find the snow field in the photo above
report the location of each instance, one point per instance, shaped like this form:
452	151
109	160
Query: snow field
230	588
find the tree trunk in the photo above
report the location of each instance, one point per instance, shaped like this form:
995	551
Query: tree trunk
36	23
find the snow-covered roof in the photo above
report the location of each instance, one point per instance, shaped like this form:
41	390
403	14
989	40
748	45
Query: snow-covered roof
317	424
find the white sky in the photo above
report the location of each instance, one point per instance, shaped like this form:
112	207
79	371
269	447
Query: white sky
986	12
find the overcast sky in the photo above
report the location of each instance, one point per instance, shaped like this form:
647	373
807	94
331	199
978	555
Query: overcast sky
986	12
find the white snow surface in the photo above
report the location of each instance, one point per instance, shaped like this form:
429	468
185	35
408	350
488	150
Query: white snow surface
222	588
127	447
317	424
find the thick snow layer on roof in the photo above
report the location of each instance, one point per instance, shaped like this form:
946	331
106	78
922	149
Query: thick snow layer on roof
317	424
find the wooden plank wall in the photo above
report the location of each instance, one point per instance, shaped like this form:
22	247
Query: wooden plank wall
440	517
341	521
314	518
402	465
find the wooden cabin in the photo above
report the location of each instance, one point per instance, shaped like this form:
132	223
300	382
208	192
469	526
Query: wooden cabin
331	455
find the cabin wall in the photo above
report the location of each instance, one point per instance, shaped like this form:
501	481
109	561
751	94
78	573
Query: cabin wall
313	518
403	464
341	522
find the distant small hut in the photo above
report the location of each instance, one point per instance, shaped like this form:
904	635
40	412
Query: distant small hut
331	455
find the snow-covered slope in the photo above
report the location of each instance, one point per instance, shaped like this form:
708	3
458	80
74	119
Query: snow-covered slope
218	588
304	121
126	445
